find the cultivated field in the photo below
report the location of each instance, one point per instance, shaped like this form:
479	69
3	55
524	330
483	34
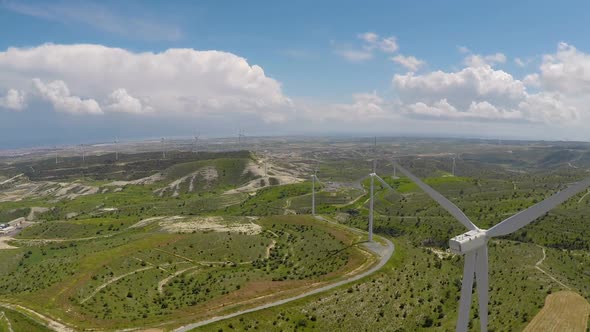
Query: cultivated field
564	311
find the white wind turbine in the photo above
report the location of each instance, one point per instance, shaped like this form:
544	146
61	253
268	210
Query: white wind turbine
473	244
241	137
265	163
196	138
163	140
116	148
374	175
314	178
453	170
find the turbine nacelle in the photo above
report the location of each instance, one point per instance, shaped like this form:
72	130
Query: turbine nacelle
469	241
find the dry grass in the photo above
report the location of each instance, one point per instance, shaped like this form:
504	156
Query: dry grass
564	311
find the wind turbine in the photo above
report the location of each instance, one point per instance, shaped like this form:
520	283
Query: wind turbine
374	175
473	244
241	136
196	137
116	148
265	164
453	169
163	140
56	154
314	178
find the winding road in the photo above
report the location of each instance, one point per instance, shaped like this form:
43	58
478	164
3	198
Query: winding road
384	252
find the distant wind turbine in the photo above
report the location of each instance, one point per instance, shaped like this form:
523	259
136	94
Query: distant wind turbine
473	244
265	164
163	140
116	148
196	138
453	169
374	175
314	178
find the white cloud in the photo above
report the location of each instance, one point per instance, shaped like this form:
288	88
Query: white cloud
58	94
480	92
355	55
369	37
173	81
460	88
411	63
566	71
532	80
388	45
121	101
14	100
463	49
478	60
372	43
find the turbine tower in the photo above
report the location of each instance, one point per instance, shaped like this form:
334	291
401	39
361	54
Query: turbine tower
163	140
265	164
473	244
314	178
196	138
453	169
116	148
374	175
241	137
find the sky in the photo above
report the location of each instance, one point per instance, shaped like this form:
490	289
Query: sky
75	72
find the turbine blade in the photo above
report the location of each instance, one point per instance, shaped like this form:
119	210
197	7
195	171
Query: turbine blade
384	183
481	275
527	216
440	199
466	289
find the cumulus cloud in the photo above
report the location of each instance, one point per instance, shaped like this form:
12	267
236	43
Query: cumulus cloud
567	71
13	100
58	94
411	63
480	92
120	101
460	88
176	80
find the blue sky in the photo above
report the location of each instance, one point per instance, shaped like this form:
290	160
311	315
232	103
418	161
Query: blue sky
321	72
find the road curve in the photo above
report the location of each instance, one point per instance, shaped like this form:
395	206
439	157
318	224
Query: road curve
384	258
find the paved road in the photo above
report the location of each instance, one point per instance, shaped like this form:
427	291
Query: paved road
384	251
